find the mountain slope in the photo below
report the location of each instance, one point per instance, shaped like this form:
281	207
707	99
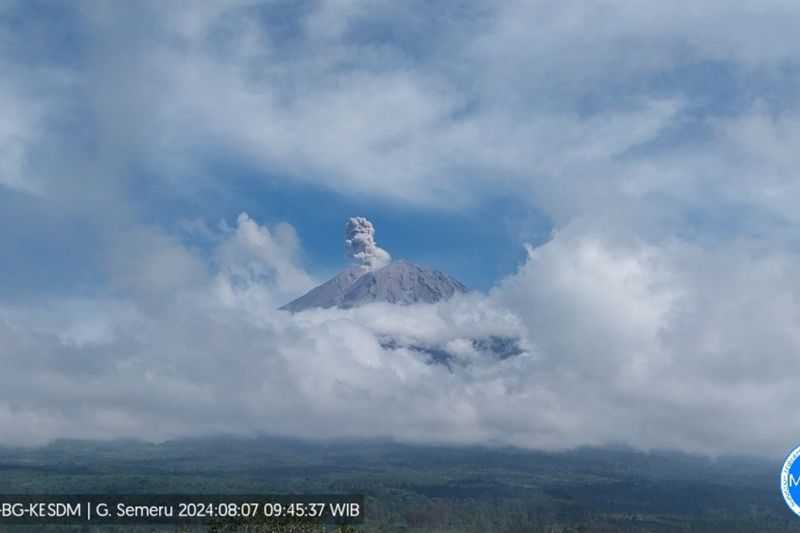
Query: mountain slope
402	282
329	294
399	282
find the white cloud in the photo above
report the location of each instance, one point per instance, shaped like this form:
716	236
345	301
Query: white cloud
641	324
19	130
256	262
670	346
522	98
497	111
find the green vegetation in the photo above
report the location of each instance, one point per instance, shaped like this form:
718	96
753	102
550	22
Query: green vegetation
414	489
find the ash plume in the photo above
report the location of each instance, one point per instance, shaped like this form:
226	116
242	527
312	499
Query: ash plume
360	246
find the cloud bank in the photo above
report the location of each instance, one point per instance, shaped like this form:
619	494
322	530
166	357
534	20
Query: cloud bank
659	140
624	342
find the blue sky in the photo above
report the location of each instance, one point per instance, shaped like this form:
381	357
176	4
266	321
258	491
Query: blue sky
76	62
55	37
457	242
618	179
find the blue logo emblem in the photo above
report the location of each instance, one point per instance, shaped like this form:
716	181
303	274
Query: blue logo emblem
790	481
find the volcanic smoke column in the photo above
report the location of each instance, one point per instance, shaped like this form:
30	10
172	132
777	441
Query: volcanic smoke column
359	244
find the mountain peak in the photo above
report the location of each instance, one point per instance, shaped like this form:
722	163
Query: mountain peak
375	278
400	282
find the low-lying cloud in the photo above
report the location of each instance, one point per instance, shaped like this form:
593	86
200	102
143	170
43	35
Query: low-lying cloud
659	142
658	347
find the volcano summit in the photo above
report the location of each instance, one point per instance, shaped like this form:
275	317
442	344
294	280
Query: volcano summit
374	277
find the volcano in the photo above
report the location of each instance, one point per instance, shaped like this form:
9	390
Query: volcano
374	277
399	282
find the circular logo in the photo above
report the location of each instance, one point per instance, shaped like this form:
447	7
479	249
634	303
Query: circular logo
790	481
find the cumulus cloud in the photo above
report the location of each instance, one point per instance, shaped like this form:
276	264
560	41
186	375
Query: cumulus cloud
218	356
21	130
559	114
258	262
673	344
560	117
623	341
661	143
360	246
